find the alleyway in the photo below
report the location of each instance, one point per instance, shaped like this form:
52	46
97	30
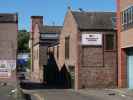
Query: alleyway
55	77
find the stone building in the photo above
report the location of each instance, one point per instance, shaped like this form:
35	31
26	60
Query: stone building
125	43
42	36
8	43
88	48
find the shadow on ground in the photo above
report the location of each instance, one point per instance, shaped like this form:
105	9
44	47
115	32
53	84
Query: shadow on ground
53	77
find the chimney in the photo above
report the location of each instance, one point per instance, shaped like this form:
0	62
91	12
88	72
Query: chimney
36	20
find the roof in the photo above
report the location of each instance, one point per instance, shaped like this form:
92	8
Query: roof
8	17
50	29
94	20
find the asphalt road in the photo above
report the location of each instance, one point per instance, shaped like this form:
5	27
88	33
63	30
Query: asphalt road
65	95
60	95
55	94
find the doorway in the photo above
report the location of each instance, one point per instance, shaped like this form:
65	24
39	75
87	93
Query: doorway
130	68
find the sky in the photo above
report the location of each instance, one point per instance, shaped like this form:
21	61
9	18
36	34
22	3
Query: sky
53	11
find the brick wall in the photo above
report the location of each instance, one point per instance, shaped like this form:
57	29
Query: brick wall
96	77
93	63
98	68
69	30
36	69
92	56
8	41
42	55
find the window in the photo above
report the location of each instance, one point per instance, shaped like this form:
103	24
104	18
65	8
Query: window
67	47
130	15
109	42
127	17
37	54
122	18
57	52
113	22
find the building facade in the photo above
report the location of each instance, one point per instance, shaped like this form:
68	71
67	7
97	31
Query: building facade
125	43
42	37
8	43
88	49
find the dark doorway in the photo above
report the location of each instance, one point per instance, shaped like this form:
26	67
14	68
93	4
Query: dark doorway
54	78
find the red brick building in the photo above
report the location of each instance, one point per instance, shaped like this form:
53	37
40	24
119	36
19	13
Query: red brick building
88	48
125	43
42	36
8	43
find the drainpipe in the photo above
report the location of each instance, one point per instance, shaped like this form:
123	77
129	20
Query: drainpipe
120	83
78	62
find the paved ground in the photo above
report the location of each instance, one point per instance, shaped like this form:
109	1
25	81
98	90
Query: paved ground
55	94
4	93
43	93
6	85
60	95
108	94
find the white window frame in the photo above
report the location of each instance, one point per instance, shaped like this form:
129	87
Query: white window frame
127	19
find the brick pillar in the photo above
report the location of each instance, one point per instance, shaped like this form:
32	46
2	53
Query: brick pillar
122	76
120	53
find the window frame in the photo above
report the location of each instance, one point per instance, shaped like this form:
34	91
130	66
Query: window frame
105	43
67	46
57	51
126	17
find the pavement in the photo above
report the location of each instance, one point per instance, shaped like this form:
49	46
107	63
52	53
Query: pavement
55	94
10	89
6	86
108	94
85	94
81	94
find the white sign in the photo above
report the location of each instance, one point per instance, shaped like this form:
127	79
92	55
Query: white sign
49	36
4	70
11	64
5	73
91	39
6	66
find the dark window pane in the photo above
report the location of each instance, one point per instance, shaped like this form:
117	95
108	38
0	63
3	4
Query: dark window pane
109	42
57	52
67	47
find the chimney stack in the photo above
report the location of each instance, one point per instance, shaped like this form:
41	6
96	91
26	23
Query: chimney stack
36	20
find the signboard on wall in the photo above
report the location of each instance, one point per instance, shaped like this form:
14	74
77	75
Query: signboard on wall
6	66
11	64
91	39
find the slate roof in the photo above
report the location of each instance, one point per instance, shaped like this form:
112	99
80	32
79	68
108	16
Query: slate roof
50	29
95	20
8	17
